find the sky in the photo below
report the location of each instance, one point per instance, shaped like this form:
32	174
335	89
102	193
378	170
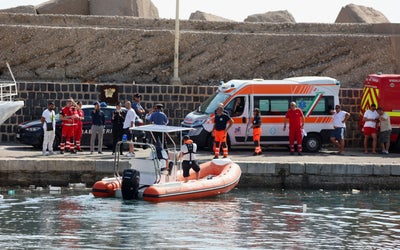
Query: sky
303	11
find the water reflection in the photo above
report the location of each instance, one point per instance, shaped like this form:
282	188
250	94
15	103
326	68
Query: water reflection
272	219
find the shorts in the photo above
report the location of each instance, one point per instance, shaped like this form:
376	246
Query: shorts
187	165
338	133
128	134
384	136
219	136
369	130
256	134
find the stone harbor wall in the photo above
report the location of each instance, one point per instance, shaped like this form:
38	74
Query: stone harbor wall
177	100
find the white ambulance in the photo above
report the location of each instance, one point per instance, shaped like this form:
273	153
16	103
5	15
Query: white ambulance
316	96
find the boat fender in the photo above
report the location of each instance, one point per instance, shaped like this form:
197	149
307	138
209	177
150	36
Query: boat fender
130	184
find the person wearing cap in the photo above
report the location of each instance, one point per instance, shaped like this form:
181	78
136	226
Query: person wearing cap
97	129
370	118
222	123
188	156
128	123
67	116
339	127
137	106
48	120
159	118
118	118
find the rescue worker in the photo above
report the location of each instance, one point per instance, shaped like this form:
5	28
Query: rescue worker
296	125
256	126
78	127
222	123
188	156
67	130
370	118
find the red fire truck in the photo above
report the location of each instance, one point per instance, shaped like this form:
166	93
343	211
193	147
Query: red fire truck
384	91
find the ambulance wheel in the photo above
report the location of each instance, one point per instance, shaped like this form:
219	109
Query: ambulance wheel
312	143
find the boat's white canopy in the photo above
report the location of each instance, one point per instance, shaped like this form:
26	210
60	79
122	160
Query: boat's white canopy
160	128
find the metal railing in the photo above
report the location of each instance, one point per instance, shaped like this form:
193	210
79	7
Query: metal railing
8	89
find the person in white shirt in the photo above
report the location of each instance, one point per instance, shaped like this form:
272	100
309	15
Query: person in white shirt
339	127
128	123
48	120
370	119
384	131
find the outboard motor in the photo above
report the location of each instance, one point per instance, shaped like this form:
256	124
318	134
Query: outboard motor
130	184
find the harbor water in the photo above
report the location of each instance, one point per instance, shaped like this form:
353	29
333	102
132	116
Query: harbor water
242	219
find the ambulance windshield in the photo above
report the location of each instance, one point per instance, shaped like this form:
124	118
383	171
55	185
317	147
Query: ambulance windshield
210	105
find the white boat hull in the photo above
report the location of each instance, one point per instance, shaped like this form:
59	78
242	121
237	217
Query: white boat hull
8	108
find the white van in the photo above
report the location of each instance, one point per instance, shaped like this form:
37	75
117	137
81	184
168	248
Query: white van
316	96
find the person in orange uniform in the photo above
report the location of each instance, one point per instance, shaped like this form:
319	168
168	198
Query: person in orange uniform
256	126
296	125
222	123
78	127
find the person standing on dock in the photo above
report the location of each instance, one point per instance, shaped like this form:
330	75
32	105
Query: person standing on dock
78	127
385	130
339	127
67	130
370	119
48	120
295	117
97	129
256	126
222	123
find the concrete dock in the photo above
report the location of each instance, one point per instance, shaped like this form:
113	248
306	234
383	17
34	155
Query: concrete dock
22	166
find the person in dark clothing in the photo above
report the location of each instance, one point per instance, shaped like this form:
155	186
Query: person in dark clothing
97	129
158	117
118	118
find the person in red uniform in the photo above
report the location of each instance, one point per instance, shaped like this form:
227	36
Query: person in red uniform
78	127
222	123
67	115
296	124
256	126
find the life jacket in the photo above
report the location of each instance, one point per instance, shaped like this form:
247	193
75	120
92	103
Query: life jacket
189	145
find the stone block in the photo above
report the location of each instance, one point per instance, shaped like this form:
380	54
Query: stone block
360	14
382	170
395	170
297	168
359	169
312	168
70	7
260	168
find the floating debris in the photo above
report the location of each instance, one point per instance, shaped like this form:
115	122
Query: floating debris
54	189
77	185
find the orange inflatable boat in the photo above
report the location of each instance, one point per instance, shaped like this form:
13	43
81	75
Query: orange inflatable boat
216	177
155	175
